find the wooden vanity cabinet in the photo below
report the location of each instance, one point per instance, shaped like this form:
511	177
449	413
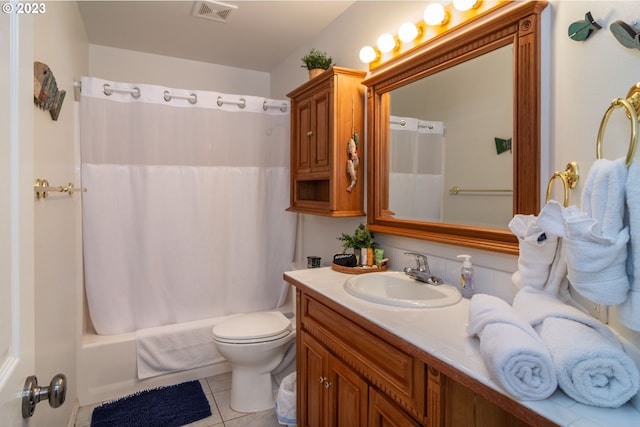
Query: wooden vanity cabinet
326	111
352	373
348	376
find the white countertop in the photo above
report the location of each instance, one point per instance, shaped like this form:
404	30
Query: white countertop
441	332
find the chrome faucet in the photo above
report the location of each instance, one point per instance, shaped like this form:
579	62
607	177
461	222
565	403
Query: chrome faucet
422	273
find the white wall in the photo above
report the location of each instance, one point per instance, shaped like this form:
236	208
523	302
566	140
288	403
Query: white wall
60	42
579	81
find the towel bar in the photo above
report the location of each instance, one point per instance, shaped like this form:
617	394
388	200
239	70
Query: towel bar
42	188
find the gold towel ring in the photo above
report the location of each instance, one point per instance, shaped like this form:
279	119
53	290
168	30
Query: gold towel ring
631	104
569	178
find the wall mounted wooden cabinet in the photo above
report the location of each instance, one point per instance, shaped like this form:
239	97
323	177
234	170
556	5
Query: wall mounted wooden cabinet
326	112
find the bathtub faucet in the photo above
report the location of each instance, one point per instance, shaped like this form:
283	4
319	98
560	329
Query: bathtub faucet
422	273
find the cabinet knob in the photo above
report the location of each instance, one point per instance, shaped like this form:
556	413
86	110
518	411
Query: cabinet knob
322	379
327	384
309	133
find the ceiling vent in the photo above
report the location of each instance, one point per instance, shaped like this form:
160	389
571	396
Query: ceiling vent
213	10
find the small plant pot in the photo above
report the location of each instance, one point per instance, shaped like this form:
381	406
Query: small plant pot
315	72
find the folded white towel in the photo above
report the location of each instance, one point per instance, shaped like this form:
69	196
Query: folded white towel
590	368
589	361
629	311
512	351
537	251
178	347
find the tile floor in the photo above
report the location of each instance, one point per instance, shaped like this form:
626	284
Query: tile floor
217	390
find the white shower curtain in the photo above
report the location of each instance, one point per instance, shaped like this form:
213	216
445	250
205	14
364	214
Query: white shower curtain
416	160
184	217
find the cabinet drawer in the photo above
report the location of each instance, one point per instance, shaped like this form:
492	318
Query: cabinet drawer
398	374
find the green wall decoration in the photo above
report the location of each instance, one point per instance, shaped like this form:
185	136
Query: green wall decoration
581	30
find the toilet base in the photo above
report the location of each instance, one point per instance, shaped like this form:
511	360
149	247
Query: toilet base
251	391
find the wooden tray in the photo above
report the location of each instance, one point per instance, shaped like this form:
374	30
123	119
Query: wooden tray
358	270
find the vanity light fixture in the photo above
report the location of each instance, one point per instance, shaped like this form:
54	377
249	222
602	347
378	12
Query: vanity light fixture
368	54
386	43
408	32
464	5
434	14
438	19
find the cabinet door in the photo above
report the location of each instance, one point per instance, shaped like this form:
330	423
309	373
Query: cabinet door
301	137
464	407
347	395
384	413
312	378
322	122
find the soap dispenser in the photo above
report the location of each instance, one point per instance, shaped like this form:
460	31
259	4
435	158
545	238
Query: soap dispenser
466	277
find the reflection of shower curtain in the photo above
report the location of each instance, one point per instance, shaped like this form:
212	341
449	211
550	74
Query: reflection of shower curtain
184	217
416	169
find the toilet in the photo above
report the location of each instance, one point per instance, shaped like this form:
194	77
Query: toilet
254	344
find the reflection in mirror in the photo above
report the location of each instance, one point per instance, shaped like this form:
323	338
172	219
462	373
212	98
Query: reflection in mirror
476	89
443	135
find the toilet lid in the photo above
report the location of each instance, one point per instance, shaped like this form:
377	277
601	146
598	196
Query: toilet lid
253	327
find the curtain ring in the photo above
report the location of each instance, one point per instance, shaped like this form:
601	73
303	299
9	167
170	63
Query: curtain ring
631	113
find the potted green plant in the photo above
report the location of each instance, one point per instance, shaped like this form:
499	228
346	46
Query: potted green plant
316	62
362	240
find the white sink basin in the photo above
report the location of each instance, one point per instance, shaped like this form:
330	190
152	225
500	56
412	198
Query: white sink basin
398	289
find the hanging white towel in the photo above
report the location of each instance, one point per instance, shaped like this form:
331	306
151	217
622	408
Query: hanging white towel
597	255
590	363
537	251
511	350
595	240
629	310
542	259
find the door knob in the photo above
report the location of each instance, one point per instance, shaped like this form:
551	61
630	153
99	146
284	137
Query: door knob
33	393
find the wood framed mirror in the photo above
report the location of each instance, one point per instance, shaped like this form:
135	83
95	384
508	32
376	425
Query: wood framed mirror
511	30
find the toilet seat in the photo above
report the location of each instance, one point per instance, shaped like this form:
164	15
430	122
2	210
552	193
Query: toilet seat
253	328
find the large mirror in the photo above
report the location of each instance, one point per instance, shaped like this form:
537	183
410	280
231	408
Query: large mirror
454	127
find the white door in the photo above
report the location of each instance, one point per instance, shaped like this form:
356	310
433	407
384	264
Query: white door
16	214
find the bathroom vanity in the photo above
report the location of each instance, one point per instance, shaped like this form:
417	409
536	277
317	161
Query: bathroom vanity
365	364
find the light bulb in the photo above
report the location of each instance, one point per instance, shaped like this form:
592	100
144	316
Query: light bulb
368	54
434	14
407	32
464	5
386	43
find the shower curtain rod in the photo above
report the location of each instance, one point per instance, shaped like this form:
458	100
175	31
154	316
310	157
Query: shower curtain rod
192	98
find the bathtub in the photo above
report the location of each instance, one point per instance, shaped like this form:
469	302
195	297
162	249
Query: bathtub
107	368
107	365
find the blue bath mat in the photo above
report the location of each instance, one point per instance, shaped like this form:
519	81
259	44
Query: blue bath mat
171	406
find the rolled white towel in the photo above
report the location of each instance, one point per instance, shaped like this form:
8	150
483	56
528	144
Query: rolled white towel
590	368
588	358
512	351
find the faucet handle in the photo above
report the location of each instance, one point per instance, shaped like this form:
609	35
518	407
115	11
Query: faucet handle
421	261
